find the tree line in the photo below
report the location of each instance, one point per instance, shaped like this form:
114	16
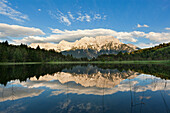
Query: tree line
160	52
23	53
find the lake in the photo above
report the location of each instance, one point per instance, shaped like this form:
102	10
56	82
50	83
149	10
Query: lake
85	88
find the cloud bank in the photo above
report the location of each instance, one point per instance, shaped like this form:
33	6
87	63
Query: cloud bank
72	35
7	30
78	34
32	35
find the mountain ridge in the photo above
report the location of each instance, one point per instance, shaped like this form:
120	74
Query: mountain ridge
97	45
159	52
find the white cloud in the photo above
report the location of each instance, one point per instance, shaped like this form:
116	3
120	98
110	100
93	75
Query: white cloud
167	28
158	37
70	15
39	9
88	18
64	19
31	35
77	34
7	30
61	17
85	17
142	25
66	35
129	36
104	17
69	18
30	39
6	10
56	30
80	17
146	45
97	16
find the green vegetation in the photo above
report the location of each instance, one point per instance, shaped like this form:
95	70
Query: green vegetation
160	52
23	53
20	63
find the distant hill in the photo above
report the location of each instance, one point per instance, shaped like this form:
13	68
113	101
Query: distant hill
160	52
89	46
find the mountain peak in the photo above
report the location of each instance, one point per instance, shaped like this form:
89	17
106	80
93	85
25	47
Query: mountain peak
63	41
101	44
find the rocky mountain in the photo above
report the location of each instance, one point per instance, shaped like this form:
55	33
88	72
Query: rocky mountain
89	46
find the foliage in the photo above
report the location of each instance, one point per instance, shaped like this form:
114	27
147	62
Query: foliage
160	52
23	53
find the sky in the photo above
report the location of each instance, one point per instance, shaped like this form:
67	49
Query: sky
144	23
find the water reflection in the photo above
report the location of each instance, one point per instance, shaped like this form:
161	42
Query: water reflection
84	88
13	92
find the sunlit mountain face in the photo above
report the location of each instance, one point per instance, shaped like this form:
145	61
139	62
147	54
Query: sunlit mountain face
88	46
85	88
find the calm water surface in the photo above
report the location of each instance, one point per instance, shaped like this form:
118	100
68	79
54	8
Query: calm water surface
85	88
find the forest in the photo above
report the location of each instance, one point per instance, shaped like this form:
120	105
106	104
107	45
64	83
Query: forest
160	52
23	53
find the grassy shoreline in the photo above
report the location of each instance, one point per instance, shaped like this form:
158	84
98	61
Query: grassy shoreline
90	62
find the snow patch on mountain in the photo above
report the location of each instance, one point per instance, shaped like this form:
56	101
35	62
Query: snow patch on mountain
97	43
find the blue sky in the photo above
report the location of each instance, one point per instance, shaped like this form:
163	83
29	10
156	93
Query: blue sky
140	22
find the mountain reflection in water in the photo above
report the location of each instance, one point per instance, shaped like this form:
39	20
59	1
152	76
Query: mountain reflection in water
84	88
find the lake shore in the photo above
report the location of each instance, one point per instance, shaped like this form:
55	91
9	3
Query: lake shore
91	62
